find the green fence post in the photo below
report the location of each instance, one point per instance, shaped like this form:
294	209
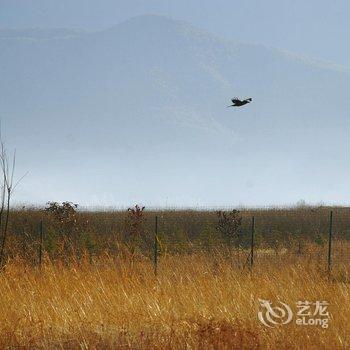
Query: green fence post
252	243
41	241
330	236
156	246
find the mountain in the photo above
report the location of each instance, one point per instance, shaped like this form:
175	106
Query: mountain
137	113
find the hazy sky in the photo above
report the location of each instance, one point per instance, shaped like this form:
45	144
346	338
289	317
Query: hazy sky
52	91
316	28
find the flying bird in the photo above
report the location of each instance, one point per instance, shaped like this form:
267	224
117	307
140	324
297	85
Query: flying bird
238	103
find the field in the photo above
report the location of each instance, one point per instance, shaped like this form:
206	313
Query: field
98	288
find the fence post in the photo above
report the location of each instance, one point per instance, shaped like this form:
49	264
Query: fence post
252	243
330	235
41	242
156	246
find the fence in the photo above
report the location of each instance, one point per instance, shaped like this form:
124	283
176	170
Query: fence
260	238
281	237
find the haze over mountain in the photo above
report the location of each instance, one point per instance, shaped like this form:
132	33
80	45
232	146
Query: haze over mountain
137	113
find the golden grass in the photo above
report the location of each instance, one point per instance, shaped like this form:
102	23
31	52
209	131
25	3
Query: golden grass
197	301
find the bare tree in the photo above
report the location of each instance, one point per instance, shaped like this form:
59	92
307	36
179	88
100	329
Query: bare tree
7	186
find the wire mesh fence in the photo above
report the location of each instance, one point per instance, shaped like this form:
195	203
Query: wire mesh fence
314	237
311	236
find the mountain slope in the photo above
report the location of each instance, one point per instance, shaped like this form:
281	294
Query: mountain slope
138	112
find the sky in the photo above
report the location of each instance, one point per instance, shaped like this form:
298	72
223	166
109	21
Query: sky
315	28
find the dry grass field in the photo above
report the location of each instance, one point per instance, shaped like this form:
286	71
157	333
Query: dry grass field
197	301
86	280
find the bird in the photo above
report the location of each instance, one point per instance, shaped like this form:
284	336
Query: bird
238	103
